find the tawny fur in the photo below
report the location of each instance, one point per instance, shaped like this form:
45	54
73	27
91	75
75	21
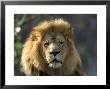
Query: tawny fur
32	61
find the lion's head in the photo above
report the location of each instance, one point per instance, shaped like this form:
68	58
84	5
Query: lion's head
50	49
54	49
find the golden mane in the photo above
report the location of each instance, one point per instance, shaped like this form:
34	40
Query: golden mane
32	61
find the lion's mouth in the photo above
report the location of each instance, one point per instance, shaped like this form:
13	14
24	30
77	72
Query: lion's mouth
55	64
56	61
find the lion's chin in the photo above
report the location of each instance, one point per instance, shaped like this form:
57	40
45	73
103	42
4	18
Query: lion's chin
55	65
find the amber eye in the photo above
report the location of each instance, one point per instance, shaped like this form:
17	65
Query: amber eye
46	44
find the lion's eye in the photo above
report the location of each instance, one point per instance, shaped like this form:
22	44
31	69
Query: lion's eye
46	44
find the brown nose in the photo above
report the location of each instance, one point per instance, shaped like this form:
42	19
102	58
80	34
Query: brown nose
55	53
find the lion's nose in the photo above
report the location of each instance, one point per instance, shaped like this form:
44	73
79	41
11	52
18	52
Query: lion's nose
55	53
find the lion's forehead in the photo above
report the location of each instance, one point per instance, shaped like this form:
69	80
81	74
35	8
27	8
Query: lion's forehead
53	37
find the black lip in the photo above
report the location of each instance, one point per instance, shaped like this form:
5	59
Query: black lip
55	60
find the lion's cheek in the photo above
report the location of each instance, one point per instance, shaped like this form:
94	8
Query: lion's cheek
49	58
59	57
62	55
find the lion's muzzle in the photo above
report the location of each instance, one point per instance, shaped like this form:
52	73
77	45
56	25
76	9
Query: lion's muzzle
55	53
54	63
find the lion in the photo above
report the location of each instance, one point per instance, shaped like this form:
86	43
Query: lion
50	50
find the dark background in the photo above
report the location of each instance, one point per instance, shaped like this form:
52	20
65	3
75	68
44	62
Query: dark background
85	36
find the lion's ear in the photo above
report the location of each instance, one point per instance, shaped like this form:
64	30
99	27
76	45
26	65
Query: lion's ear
72	31
35	35
34	38
69	33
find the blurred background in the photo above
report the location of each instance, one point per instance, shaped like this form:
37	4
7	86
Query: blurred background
85	36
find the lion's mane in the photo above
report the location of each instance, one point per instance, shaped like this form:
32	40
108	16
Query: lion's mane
32	61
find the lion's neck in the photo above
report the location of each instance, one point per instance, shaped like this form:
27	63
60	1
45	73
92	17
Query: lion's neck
55	72
52	72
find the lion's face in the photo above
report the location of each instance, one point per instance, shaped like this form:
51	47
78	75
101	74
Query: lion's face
54	47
